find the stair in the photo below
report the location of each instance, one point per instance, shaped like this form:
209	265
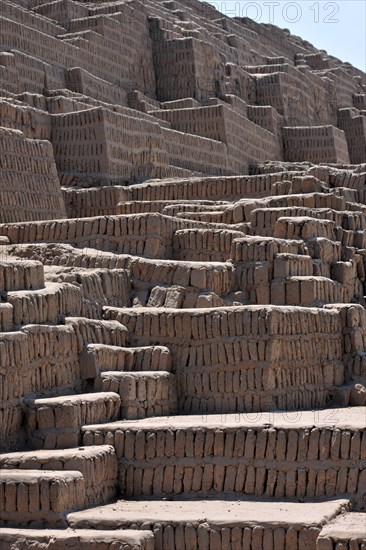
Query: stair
55	422
21	275
203	245
345	532
45	305
218	524
299	454
143	394
97	464
244	358
97	358
82	539
39	497
215	277
306	291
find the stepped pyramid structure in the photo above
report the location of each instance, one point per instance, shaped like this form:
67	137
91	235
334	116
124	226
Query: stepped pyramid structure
182	282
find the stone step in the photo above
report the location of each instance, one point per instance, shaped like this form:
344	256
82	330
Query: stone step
215	216
292	265
39	497
301	454
55	422
98	465
204	245
77	539
217	524
21	275
97	331
46	305
175	208
143	394
266	218
242	210
258	248
169	208
303	227
213	188
306	291
213	276
345	532
177	297
97	358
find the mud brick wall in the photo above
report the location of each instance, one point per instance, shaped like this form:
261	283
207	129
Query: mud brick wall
27	17
87	84
82	203
133	39
43	360
58	492
207	245
344	87
353	318
177	70
254	260
195	153
62	11
289	459
36	360
212	188
354	127
79	142
48	305
342	178
21	275
133	147
239	82
266	117
248	142
147	235
315	144
8	72
33	123
97	465
32	42
93	51
216	277
275	352
97	358
200	121
299	96
98	287
219	122
29	187
106	146
25	73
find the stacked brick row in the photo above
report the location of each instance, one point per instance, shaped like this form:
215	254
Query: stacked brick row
260	360
276	462
30	165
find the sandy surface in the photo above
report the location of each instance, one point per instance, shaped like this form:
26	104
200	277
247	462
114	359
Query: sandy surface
347	526
213	512
345	418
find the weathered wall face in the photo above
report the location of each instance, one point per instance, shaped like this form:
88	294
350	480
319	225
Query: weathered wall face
29	184
316	143
255	366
